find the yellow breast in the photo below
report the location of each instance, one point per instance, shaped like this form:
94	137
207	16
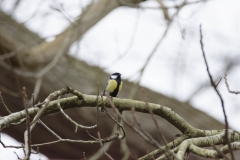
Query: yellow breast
111	86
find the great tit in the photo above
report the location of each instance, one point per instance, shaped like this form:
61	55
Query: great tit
113	86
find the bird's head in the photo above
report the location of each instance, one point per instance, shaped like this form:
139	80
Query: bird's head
115	75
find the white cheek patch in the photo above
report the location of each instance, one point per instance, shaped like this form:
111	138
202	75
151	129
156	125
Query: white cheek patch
113	76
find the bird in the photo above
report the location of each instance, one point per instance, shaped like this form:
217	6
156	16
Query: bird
113	86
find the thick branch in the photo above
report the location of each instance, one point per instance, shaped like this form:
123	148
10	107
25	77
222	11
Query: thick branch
122	105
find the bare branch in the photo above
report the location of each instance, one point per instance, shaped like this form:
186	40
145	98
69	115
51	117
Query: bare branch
84	156
164	9
99	136
2	101
142	70
227	85
105	147
47	101
163	149
36	90
27	133
17	156
20	49
154	119
207	153
146	136
121	55
71	120
118	122
216	90
51	131
83	100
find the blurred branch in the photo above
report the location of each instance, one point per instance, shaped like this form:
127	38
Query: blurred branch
162	6
124	149
104	147
93	13
40	4
60	9
36	90
227	85
27	133
154	119
164	9
146	136
136	85
216	90
21	49
99	136
9	92
15	5
121	55
2	101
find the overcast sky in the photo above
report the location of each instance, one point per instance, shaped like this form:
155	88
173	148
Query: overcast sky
177	68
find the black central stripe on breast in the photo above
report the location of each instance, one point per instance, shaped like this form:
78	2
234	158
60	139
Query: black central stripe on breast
115	92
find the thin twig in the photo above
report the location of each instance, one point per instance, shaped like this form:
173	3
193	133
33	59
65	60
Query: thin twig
17	155
99	136
2	101
145	135
84	156
91	135
51	131
71	120
20	49
36	90
150	138
105	146
122	55
227	85
33	100
27	133
118	122
98	93
47	101
142	70
36	151
167	151
153	118
216	90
